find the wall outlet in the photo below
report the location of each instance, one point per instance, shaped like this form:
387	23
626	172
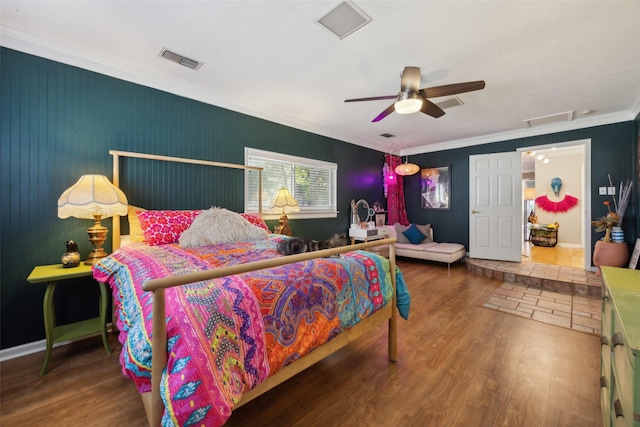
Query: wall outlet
611	191
602	191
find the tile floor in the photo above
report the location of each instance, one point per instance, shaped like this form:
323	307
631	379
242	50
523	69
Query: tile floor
552	278
580	313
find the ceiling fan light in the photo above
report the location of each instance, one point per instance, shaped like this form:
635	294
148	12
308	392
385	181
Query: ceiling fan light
407	169
408	103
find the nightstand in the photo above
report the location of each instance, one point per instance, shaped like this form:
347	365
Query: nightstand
52	274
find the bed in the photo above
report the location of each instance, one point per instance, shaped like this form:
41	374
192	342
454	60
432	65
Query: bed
207	328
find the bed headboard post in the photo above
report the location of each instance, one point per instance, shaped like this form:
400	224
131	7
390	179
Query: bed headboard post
116	178
115	226
260	193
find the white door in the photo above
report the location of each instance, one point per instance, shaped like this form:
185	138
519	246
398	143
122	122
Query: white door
495	207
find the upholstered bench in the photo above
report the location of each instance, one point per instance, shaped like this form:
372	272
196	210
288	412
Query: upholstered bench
429	250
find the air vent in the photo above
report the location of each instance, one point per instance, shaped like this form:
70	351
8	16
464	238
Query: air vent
387	135
545	120
448	103
344	19
180	59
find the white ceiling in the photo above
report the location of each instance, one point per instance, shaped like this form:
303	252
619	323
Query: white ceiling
270	59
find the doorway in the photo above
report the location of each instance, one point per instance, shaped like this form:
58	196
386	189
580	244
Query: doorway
569	162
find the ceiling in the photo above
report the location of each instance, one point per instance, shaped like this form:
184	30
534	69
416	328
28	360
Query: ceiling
272	60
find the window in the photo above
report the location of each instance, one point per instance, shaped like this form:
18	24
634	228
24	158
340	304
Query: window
311	182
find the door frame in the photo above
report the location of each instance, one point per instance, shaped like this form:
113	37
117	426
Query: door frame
585	195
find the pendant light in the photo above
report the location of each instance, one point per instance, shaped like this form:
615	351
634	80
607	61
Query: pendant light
407	168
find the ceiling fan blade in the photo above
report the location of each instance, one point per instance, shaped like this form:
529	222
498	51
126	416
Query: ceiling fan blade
373	98
410	79
390	109
431	109
452	89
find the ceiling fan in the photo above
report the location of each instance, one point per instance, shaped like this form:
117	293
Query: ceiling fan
410	99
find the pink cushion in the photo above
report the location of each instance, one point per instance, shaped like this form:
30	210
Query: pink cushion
164	227
256	220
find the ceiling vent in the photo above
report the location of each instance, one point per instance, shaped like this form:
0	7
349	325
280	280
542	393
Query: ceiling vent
387	135
448	103
545	120
180	59
344	19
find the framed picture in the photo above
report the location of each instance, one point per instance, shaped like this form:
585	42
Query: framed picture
633	263
435	187
381	219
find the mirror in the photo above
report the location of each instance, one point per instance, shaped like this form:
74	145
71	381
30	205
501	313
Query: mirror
364	212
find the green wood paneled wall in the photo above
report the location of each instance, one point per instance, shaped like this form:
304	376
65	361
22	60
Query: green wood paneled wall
613	151
59	122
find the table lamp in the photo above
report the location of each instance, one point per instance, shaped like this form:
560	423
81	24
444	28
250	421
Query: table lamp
93	197
285	201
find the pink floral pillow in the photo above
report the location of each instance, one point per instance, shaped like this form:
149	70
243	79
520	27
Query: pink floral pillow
163	227
256	220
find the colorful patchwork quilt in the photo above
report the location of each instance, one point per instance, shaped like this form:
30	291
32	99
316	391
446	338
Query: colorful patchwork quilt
227	335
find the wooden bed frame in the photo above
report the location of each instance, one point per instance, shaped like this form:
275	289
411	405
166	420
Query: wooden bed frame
152	400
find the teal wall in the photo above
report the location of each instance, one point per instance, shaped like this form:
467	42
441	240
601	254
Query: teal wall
59	122
613	151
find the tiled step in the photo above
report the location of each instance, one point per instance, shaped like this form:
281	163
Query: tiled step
553	278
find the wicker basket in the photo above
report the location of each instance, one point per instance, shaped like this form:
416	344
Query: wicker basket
544	236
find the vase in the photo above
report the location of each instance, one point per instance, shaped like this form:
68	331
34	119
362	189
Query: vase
617	235
611	254
607	235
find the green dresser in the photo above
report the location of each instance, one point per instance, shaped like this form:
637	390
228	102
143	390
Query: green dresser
620	356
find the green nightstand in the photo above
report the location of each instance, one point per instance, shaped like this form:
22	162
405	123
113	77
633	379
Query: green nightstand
52	274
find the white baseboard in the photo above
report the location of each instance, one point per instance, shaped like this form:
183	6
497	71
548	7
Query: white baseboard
36	346
570	245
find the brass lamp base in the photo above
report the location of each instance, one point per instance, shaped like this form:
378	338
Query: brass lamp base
284	225
97	235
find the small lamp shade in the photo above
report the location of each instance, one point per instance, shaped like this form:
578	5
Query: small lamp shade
529	193
285	201
91	195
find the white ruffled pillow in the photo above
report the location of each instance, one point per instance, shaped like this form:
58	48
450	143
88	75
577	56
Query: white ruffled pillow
219	225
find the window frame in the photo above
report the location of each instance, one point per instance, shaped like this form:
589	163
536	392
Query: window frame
329	212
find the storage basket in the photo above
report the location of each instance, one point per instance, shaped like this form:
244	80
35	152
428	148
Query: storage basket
544	236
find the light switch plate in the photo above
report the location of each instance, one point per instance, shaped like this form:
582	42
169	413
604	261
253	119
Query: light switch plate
611	191
602	191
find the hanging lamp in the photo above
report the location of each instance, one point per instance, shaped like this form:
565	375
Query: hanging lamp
407	168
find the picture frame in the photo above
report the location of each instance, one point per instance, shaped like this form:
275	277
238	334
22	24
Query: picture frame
435	188
635	255
381	219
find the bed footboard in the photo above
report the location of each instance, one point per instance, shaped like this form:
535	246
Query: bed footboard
153	402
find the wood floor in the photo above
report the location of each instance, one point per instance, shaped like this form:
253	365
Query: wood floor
459	364
558	255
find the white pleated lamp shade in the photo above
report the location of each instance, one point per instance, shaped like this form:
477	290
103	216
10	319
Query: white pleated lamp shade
284	201
91	195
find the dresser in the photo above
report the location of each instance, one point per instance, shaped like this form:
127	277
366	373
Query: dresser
620	347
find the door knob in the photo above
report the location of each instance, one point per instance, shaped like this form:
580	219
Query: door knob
473	211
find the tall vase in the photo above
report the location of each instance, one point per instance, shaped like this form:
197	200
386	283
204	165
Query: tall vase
607	234
610	254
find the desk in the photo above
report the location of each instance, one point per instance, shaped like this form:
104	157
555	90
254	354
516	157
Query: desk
52	274
366	234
